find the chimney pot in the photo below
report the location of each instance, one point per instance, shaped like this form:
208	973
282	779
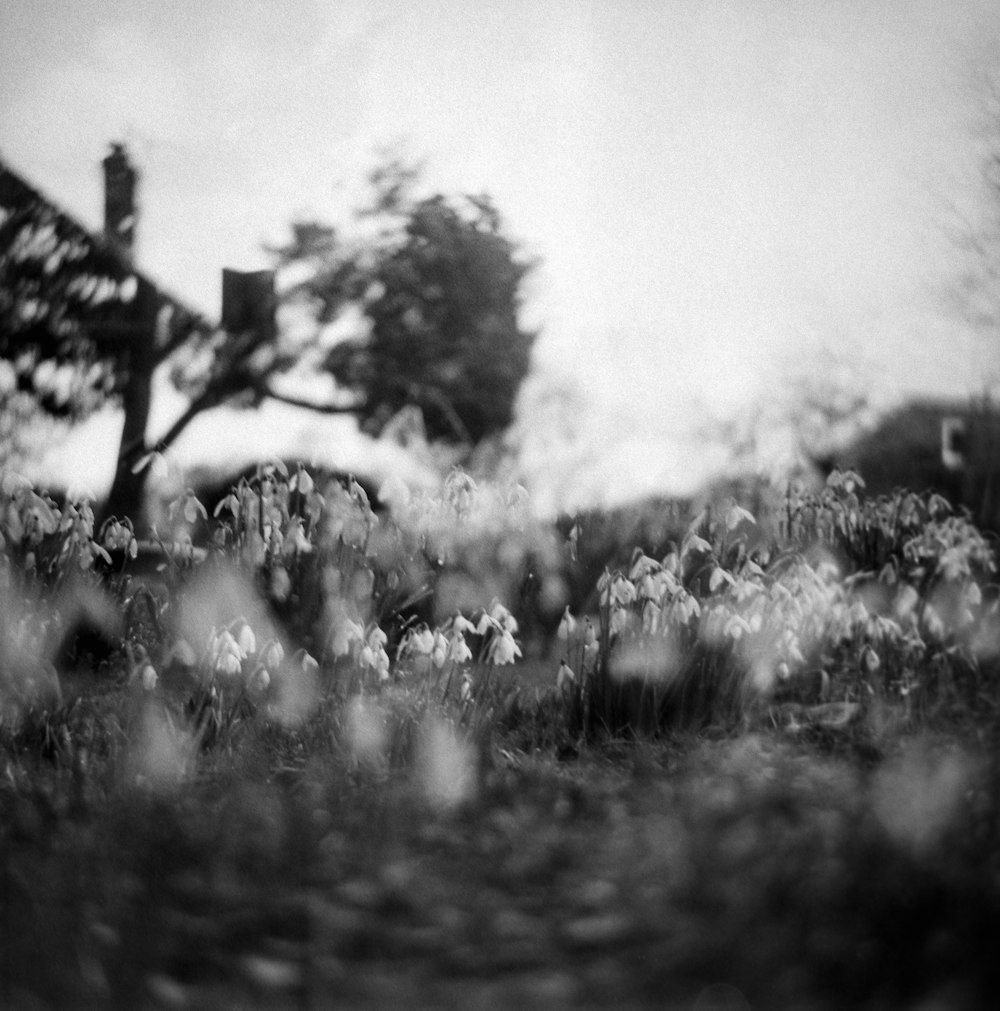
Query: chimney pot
120	182
248	302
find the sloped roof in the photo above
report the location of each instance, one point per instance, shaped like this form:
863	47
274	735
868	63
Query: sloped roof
69	257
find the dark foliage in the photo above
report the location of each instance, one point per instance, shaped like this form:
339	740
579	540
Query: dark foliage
441	298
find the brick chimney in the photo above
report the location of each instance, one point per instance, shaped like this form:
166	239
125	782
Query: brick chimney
120	181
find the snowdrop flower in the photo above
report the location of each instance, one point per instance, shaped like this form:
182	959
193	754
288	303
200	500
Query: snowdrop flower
295	539
439	651
747	588
589	634
459	489
695	544
375	658
229	664
459	651
870	661
857	615
148	677
260	680
792	648
461	624
381	666
272	654
184	547
574	541
119	536
686	607
642	565
244	636
373	655
394	493
189	506
650	617
714	624
567	625
566	678
225	654
344	634
281	583
504	649
737	515
377	638
305	662
359	495
465	693
591	653
623	592
423	641
418	643
230	504
503	617
301	481
736	627
88	551
182	654
619	621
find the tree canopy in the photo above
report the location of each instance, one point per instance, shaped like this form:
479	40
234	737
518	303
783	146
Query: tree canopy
440	297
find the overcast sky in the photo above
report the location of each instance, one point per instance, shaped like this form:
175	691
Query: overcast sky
713	189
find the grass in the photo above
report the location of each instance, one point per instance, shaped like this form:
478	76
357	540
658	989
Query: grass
283	872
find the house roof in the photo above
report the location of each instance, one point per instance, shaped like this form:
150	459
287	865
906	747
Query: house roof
105	315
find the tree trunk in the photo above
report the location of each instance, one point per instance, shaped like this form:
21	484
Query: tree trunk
127	495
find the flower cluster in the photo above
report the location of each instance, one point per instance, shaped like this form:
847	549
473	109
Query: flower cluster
119	535
497	626
726	605
268	519
233	657
42	539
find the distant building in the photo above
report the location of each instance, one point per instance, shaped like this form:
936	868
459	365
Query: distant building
952	447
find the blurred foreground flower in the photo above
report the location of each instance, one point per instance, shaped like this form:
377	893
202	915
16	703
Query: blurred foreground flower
161	753
446	764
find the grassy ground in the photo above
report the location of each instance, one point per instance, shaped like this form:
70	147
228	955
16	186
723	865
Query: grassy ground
757	870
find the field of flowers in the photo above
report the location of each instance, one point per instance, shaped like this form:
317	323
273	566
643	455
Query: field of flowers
308	750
